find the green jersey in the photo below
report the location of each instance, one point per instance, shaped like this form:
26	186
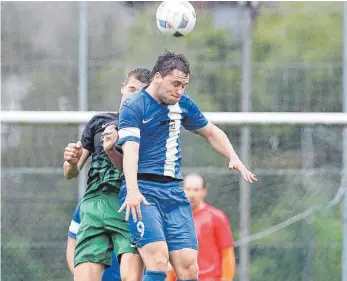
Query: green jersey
103	177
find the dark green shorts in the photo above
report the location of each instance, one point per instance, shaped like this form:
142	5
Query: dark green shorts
102	230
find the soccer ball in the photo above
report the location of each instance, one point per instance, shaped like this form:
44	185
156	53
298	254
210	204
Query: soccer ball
176	18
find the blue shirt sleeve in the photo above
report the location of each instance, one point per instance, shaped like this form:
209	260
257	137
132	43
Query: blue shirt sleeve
129	123
75	222
194	119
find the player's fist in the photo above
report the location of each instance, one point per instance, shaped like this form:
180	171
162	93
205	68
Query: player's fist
73	152
236	164
110	136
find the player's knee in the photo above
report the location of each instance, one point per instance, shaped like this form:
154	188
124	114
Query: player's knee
158	261
188	269
193	270
132	276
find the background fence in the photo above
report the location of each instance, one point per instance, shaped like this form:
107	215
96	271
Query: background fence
296	67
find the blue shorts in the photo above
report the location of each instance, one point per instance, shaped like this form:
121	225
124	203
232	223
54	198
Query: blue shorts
169	217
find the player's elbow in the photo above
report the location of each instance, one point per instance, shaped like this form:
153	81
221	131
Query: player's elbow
213	133
69	177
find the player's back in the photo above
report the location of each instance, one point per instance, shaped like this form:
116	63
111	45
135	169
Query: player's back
103	177
157	127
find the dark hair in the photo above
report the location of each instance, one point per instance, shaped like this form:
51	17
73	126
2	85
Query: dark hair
142	74
168	61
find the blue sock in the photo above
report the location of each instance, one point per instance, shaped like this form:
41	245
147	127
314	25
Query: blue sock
154	276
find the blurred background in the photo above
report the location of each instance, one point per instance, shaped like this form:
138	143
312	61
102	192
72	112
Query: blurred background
295	66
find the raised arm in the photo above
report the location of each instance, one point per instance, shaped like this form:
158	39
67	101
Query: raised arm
221	144
75	157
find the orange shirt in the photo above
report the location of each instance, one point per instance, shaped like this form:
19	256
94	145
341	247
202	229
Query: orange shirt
214	234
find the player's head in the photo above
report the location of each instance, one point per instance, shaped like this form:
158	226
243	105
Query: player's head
135	80
195	189
170	77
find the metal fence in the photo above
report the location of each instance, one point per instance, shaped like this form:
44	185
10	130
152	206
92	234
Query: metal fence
297	51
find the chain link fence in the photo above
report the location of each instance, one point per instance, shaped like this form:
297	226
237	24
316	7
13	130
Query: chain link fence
297	51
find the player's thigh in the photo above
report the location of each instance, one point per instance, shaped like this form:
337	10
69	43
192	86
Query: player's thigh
179	227
117	228
93	242
131	267
149	229
88	271
185	263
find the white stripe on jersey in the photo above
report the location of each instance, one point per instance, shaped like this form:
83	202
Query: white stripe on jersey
74	226
175	117
129	132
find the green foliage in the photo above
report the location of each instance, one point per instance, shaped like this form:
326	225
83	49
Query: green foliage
296	67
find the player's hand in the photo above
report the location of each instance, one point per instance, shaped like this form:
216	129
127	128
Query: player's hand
73	152
110	136
132	203
236	164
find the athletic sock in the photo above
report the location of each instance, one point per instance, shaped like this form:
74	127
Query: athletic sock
154	276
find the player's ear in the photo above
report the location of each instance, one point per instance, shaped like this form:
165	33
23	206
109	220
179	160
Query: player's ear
157	77
122	88
204	192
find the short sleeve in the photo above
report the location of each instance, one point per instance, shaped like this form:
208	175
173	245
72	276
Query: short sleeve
194	119
87	138
75	222
223	232
129	124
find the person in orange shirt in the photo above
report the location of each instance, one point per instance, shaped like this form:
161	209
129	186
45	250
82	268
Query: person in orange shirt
216	256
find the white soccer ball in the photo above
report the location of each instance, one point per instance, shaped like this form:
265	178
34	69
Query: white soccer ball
176	18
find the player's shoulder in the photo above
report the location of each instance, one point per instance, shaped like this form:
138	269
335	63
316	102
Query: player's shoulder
185	98
103	119
187	102
135	99
215	212
106	116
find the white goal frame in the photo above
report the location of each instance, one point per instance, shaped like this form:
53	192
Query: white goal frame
232	118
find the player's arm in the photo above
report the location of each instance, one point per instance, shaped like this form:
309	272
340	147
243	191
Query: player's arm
130	164
221	144
196	122
129	139
225	243
218	140
71	239
228	264
75	157
70	250
110	136
76	154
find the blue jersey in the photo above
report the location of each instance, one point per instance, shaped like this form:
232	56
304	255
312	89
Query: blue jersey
111	273
157	127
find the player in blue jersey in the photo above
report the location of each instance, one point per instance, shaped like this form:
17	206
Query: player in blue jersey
111	273
102	229
157	210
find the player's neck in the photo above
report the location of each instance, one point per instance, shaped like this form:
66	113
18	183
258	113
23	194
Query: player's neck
199	207
151	91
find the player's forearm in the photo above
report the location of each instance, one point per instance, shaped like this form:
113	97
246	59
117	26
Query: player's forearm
228	264
221	144
70	249
130	164
116	158
71	171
